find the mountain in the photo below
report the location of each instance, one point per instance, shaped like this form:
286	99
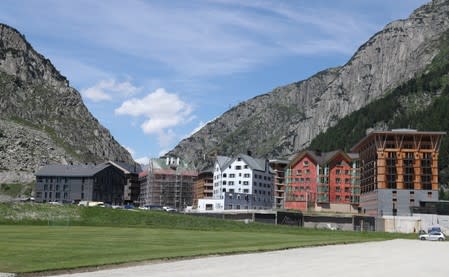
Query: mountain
284	121
421	103
43	119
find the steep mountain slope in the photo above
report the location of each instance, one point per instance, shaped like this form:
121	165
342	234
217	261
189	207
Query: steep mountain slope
285	120
43	119
421	103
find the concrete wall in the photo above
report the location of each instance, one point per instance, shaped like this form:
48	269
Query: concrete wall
217	205
336	208
412	224
431	220
380	202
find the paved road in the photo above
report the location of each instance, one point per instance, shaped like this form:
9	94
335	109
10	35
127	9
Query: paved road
387	258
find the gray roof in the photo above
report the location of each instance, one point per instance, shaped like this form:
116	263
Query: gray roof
253	163
60	170
134	168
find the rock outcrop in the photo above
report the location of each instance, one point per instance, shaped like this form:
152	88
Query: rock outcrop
285	120
43	119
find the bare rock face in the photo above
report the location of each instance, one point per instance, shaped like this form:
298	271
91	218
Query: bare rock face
285	120
43	119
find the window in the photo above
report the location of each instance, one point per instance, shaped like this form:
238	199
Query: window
58	195
238	167
224	182
224	175
231	190
51	186
298	172
65	195
245	183
305	163
245	191
66	187
82	195
232	175
231	183
57	187
45	187
338	172
246	166
247	175
38	194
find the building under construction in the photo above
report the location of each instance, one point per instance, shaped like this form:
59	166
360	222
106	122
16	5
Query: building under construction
399	170
169	183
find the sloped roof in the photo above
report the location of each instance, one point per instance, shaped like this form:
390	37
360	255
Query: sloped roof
60	170
127	168
322	158
253	163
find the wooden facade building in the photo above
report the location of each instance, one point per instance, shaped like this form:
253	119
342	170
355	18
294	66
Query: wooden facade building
399	168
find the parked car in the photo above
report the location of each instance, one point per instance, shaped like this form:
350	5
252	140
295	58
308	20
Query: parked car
432	236
169	209
434	229
129	206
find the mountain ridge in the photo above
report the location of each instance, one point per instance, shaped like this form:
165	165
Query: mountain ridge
285	120
42	119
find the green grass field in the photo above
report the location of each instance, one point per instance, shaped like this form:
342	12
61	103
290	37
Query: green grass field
43	237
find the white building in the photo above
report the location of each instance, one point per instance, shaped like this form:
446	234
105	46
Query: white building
242	182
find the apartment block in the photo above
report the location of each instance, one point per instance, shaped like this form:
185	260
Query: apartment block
399	169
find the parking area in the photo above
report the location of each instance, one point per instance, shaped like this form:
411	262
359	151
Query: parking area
386	258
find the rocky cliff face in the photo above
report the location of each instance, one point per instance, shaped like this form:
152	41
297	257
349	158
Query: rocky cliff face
285	120
43	119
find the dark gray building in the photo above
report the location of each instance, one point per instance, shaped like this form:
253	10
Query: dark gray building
108	182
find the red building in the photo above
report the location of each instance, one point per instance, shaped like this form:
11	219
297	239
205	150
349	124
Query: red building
320	180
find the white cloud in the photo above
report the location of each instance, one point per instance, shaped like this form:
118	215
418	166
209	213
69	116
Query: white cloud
143	160
95	94
213	37
106	89
162	110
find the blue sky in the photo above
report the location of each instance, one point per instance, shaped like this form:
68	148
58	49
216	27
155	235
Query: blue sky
153	72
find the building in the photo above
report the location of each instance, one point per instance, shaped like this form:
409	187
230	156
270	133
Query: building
204	186
242	182
399	169
279	167
107	182
132	187
169	183
323	181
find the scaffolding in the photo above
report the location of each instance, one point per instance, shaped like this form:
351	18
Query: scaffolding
169	183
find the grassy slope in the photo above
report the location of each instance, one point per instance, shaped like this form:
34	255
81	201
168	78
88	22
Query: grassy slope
45	237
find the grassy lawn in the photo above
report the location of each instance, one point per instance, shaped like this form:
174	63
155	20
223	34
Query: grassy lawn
44	237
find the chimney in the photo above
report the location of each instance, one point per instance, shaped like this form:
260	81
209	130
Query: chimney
249	153
167	161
